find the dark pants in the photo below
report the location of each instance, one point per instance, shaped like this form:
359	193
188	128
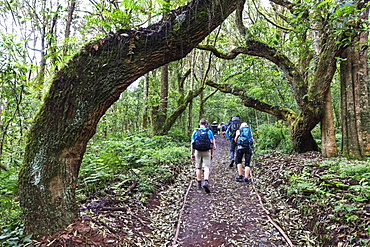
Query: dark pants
247	153
232	149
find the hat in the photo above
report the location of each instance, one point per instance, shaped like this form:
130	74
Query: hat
244	124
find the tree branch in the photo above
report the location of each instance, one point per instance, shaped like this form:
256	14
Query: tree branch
269	21
285	114
259	49
286	4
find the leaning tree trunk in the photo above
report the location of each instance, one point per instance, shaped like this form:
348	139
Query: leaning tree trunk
181	107
80	94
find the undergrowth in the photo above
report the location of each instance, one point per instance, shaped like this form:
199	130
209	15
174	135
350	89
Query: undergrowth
336	195
115	164
108	164
273	137
11	230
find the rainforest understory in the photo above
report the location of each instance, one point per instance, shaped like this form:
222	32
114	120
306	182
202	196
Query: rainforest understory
293	200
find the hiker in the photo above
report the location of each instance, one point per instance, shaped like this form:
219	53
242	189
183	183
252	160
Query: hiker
202	146
214	128
234	124
224	127
244	141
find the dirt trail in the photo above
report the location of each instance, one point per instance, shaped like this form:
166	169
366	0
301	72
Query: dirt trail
230	215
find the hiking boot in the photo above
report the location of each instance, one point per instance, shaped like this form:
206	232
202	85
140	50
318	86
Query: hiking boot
199	187
239	178
231	163
246	180
206	186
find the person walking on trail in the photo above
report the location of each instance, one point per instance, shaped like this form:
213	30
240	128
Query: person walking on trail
214	128
202	146
244	141
234	125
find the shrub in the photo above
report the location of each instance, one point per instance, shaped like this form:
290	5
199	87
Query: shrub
273	136
117	163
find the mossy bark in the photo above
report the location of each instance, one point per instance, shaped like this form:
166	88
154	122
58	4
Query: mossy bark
80	94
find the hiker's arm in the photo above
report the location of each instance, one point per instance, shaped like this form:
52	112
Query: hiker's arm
212	139
192	149
227	133
237	135
213	147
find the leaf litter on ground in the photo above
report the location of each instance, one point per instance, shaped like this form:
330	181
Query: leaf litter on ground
231	215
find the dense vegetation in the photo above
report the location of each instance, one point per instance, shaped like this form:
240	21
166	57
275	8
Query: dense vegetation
127	147
330	195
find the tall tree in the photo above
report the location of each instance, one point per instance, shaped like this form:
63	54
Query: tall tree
310	86
160	113
328	140
355	93
80	94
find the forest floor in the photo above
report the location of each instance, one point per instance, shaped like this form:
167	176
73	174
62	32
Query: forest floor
232	214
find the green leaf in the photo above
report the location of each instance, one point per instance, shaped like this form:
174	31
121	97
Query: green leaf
324	2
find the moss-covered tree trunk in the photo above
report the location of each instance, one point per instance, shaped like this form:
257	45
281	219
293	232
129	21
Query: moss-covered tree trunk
80	94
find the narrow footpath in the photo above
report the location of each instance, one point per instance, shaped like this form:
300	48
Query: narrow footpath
180	215
231	215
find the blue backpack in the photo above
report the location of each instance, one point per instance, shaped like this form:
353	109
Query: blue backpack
202	141
245	137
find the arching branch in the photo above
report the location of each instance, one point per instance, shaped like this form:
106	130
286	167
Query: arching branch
80	94
282	113
259	49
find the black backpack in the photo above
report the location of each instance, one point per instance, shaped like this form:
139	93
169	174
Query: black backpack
245	137
202	141
234	125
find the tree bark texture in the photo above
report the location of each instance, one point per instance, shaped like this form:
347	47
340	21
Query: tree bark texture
354	79
355	100
160	111
80	94
328	140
